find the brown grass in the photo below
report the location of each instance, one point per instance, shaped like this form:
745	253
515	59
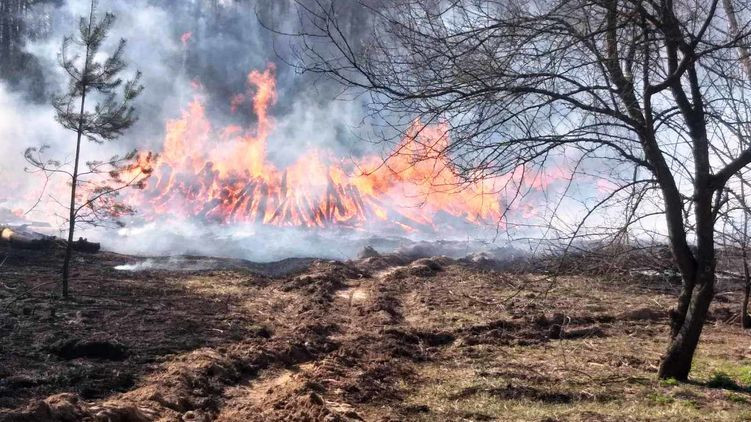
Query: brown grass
389	340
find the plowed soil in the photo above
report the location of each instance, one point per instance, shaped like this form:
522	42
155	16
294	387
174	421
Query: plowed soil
379	339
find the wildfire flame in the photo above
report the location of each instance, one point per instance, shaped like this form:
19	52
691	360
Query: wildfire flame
223	175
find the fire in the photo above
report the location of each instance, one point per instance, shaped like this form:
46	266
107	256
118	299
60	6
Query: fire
223	175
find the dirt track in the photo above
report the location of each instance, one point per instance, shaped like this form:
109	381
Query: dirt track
384	338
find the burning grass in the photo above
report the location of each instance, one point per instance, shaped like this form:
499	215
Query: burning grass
225	175
378	338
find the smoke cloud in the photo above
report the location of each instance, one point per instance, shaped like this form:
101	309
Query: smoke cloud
199	48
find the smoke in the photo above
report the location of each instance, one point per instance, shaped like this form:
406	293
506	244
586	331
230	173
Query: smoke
23	125
198	48
183	49
226	42
173	263
270	244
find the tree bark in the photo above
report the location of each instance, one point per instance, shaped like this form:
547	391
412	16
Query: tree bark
676	363
698	291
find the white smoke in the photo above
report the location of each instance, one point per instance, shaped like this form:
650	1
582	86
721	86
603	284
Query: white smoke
308	116
305	117
24	125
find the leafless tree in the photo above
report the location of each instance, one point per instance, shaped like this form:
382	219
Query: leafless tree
652	90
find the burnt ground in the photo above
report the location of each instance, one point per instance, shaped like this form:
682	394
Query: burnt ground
381	339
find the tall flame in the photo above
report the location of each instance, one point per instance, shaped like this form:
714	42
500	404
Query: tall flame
223	175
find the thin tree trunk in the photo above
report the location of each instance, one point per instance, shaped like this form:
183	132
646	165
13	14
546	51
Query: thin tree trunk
745	318
72	215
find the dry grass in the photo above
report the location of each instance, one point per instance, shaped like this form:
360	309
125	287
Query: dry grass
608	378
430	341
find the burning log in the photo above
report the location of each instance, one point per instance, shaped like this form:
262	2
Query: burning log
245	198
358	200
320	217
334	198
261	213
208	207
312	216
279	211
21	238
400	218
163	181
24	239
284	183
289	214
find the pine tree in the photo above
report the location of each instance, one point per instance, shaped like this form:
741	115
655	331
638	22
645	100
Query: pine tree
94	76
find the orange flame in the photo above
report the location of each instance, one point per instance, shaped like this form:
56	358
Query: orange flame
222	175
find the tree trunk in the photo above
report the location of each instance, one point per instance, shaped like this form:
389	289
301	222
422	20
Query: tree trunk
745	318
676	363
72	215
698	291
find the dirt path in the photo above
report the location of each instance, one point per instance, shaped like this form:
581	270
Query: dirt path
349	382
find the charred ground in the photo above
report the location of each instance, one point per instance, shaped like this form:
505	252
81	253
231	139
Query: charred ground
388	337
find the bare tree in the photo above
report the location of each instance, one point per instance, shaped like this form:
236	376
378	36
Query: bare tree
641	86
93	75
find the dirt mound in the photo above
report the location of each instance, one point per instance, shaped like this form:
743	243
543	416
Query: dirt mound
329	341
412	344
323	279
722	313
434	264
283	397
382	262
68	407
557	332
423	267
194	385
384	307
534	329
